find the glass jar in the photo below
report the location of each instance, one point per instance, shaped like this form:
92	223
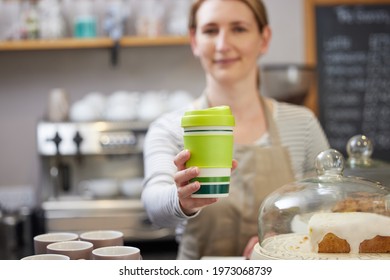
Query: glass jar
150	18
51	20
84	20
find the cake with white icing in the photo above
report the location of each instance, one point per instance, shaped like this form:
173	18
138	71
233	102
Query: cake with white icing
349	232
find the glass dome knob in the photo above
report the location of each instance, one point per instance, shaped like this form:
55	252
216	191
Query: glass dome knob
329	162
359	147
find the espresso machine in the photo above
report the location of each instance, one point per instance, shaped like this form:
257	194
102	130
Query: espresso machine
91	178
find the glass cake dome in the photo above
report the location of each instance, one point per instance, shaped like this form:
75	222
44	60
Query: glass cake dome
361	164
284	215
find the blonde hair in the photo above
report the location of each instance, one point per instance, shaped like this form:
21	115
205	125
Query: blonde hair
256	6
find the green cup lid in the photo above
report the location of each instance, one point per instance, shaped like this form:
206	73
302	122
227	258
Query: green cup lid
214	116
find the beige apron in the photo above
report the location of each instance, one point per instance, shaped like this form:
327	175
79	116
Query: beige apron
225	227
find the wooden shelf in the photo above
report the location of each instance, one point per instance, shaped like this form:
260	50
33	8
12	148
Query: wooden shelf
154	41
72	43
67	43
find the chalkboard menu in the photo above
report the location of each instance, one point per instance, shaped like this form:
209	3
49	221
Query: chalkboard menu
353	64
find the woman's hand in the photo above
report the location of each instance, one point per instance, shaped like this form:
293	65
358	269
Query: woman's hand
185	189
249	247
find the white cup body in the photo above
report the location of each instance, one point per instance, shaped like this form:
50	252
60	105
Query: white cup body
46	257
103	238
75	250
41	241
117	253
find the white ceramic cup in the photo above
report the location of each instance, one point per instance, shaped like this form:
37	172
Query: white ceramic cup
132	187
46	257
117	253
75	250
103	238
41	241
99	188
58	105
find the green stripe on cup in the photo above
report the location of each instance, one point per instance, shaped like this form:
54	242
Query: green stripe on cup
225	179
213	189
209	131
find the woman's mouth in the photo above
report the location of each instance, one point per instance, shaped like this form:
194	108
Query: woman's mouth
225	61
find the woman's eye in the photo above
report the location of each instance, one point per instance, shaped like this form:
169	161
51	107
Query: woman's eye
210	31
239	29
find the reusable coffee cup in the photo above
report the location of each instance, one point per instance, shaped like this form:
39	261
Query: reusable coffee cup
208	135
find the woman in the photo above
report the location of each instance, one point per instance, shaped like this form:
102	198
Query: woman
275	143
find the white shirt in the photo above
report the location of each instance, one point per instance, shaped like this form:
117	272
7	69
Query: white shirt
299	131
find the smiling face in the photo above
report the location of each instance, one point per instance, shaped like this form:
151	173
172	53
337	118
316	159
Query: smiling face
228	41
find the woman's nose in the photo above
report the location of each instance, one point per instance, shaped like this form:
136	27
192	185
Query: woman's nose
223	41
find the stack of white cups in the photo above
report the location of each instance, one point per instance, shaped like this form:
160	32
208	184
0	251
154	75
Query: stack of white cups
91	245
